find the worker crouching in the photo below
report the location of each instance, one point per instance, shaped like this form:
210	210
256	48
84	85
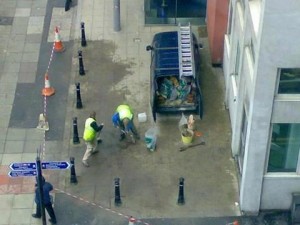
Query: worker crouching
123	119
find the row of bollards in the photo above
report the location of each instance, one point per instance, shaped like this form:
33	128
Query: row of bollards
180	201
118	201
81	72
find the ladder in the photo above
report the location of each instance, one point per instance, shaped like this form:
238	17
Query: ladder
185	51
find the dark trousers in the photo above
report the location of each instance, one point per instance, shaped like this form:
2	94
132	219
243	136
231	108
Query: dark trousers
49	209
132	128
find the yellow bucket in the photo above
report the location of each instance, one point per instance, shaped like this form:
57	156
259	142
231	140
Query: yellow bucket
188	139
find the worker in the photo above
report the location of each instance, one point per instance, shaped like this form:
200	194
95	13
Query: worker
123	118
91	136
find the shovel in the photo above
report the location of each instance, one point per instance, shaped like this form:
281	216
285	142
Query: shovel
183	148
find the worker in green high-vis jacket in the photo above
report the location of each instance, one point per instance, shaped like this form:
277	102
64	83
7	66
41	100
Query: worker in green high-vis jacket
91	136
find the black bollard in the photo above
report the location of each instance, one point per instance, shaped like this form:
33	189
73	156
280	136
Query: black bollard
117	192
67	5
81	67
180	200
83	40
75	131
73	178
78	97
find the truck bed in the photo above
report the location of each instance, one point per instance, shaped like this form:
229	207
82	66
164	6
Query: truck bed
175	92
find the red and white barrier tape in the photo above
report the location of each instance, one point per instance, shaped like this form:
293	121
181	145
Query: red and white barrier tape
100	206
45	103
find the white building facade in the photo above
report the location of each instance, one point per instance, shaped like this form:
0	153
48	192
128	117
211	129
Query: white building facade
262	74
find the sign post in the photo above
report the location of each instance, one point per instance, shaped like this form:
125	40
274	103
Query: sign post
40	184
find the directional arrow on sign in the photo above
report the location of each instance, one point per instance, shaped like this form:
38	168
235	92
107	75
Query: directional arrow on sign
23	166
22	173
55	165
59	165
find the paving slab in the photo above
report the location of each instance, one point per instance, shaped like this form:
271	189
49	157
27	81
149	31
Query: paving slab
13	57
22	12
7	159
12	147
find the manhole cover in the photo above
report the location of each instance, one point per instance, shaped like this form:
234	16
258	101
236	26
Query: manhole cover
6	20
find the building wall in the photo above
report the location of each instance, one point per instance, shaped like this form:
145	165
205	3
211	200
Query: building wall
280	48
217	15
267	33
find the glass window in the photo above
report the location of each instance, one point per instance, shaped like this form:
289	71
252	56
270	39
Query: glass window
289	82
252	50
242	3
284	148
175	11
237	61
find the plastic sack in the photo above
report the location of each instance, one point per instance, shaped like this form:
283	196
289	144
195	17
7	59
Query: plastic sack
183	123
174	94
166	88
150	138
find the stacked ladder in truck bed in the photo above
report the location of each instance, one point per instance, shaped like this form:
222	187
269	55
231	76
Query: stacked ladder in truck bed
185	51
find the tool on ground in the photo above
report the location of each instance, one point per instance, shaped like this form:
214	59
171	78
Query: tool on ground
183	148
58	46
130	134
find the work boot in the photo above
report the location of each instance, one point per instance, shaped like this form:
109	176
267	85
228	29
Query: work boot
52	221
36	216
137	136
95	151
122	137
84	162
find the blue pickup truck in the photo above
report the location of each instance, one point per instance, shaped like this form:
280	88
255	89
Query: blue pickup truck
174	71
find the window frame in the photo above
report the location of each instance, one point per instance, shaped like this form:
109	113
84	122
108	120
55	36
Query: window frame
297	170
279	70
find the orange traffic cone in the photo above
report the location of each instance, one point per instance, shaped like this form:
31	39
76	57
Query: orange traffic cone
58	46
47	90
132	221
236	222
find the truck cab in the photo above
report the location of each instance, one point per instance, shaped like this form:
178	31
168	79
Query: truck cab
174	71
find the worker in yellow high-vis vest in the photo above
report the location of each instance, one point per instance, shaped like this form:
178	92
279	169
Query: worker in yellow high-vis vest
91	136
123	118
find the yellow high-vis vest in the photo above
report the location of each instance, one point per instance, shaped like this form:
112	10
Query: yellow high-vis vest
124	112
89	133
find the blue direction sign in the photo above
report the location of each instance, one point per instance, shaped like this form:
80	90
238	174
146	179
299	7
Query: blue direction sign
59	165
23	166
55	165
22	173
